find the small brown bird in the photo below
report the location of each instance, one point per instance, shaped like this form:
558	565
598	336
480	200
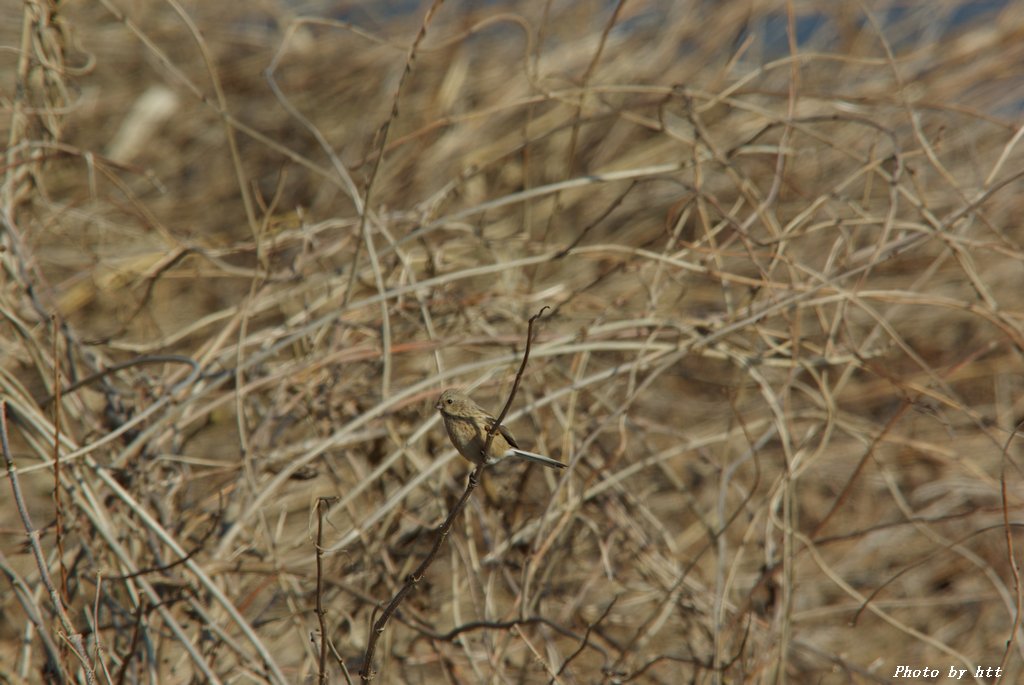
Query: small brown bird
467	425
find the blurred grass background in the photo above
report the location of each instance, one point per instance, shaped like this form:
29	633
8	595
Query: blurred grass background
246	245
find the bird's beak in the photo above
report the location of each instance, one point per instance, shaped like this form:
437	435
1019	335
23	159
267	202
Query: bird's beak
437	405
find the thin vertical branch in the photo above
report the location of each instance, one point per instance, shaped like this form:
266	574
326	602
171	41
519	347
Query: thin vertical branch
366	672
515	384
58	506
321	506
71	635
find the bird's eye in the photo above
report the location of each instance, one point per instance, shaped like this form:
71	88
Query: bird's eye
449	400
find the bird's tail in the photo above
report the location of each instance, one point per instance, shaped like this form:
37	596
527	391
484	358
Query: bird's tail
539	458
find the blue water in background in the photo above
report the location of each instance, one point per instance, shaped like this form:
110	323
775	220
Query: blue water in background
935	19
905	24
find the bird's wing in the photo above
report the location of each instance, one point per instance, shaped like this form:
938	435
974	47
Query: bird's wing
508	436
504	432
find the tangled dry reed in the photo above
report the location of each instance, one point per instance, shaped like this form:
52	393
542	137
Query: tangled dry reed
244	249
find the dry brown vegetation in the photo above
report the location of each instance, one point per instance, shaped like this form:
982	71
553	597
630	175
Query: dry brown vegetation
247	244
